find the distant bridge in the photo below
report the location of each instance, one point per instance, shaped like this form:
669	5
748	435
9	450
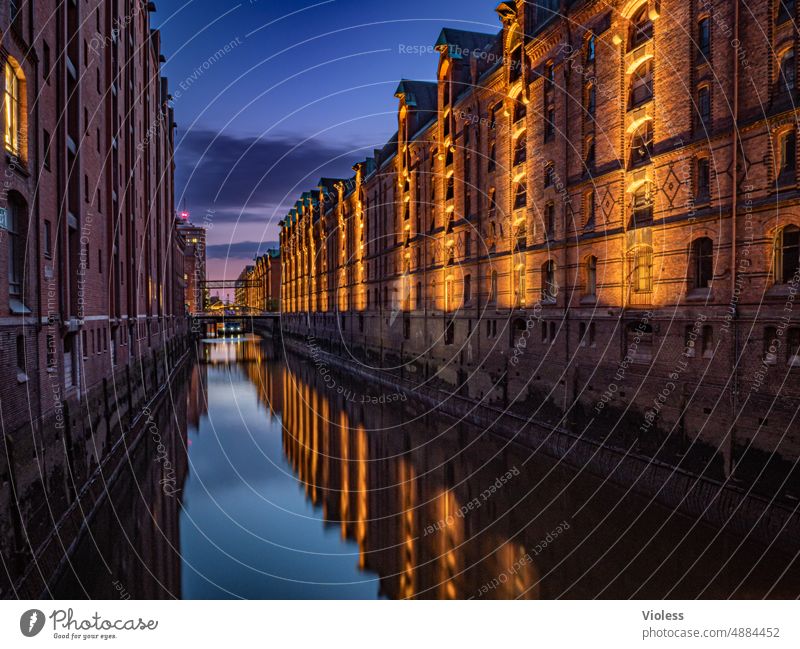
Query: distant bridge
264	323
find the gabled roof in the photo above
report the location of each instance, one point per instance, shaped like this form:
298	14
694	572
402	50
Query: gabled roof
460	43
422	95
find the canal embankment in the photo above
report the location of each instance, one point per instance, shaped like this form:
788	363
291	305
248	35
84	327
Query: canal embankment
721	504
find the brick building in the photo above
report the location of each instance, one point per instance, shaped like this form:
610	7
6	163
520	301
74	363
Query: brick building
268	276
551	230
93	300
195	265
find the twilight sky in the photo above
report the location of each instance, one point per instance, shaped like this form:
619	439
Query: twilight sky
301	89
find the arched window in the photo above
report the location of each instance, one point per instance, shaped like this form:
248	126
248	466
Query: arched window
549	286
642	144
787	254
641	88
787	156
591	276
521	150
13	108
702	262
786	72
520	197
641	29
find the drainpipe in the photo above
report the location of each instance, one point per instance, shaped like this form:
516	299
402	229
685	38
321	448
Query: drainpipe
734	214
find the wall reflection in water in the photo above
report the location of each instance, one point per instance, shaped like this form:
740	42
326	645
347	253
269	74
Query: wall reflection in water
441	510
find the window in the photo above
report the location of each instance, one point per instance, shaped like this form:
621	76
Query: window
13	113
642	271
793	347
48	239
642	144
549	123
770	345
550	220
520	197
786	75
519	296
787	156
591	276
591	48
641	29
549	286
589	153
704	106
591	99
641	84
588	210
419	304
703	179
492	157
549	175
520	150
21	354
787	254
449	332
520	110
16	246
46	61
467	288
493	287
704	37
786	10
46	147
708	341
702	262
468	245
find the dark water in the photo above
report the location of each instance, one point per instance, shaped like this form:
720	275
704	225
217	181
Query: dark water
299	485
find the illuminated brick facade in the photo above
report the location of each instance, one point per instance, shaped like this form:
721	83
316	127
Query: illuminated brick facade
550	231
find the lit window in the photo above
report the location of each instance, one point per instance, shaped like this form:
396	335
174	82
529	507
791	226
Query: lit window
520	197
520	150
642	144
591	48
12	109
642	84
642	271
641	27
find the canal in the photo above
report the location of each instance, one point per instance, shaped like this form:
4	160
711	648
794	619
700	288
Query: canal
288	480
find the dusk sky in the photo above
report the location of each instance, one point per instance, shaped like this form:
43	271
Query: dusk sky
305	89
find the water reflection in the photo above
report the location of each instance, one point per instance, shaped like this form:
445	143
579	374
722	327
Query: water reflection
396	503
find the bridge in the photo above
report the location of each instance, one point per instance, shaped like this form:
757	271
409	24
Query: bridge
266	324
